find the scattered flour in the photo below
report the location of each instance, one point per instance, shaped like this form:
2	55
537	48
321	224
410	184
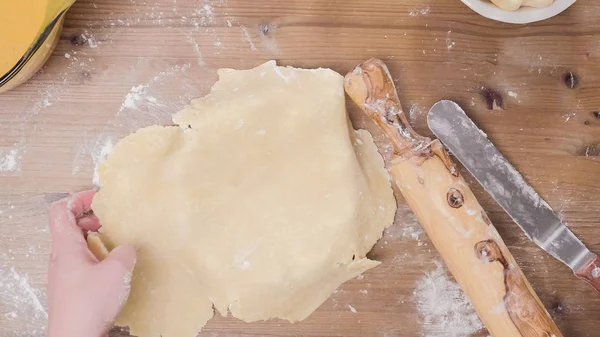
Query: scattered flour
127	283
352	308
409	230
419	11
569	115
445	310
207	12
10	160
103	147
414	113
92	42
24	305
449	43
267	41
248	38
134	95
139	95
144	104
196	46
513	94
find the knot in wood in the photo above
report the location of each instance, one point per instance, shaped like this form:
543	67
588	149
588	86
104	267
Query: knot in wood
455	198
570	80
78	40
488	251
492	99
485	251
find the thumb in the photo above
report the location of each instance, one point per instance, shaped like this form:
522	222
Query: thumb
122	257
112	282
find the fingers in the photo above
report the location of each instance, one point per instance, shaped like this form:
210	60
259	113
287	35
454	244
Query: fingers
80	203
67	236
89	223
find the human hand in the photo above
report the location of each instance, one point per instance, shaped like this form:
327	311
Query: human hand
84	295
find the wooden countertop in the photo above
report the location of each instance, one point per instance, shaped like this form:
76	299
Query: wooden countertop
121	65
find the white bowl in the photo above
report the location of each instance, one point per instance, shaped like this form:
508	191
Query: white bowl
522	15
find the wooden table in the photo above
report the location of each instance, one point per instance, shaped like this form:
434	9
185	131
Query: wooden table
121	65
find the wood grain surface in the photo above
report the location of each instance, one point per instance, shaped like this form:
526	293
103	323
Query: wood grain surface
121	65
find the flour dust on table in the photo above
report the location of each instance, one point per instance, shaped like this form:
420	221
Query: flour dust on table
23	302
260	202
444	308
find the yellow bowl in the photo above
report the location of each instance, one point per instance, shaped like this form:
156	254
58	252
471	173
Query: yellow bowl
41	48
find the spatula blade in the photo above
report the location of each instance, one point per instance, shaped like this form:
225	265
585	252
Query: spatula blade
505	184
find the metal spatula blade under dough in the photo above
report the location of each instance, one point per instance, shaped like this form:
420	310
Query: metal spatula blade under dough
505	184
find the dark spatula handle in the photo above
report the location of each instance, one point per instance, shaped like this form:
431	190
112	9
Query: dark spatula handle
590	272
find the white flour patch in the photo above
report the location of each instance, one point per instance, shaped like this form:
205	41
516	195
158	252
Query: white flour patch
512	94
206	12
419	11
136	95
167	14
449	43
103	147
411	229
139	95
269	44
414	113
267	40
569	115
131	99
10	159
444	308
412	232
79	64
352	308
127	284
24	305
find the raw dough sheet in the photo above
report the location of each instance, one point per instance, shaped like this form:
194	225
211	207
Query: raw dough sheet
261	202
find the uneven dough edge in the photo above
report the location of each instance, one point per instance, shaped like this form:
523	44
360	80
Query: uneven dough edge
167	141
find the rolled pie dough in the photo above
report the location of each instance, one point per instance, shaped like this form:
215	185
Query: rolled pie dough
262	201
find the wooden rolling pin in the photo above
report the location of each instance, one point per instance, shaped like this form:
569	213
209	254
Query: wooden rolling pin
451	215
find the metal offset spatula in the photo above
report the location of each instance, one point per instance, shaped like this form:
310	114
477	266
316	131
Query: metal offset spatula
506	185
